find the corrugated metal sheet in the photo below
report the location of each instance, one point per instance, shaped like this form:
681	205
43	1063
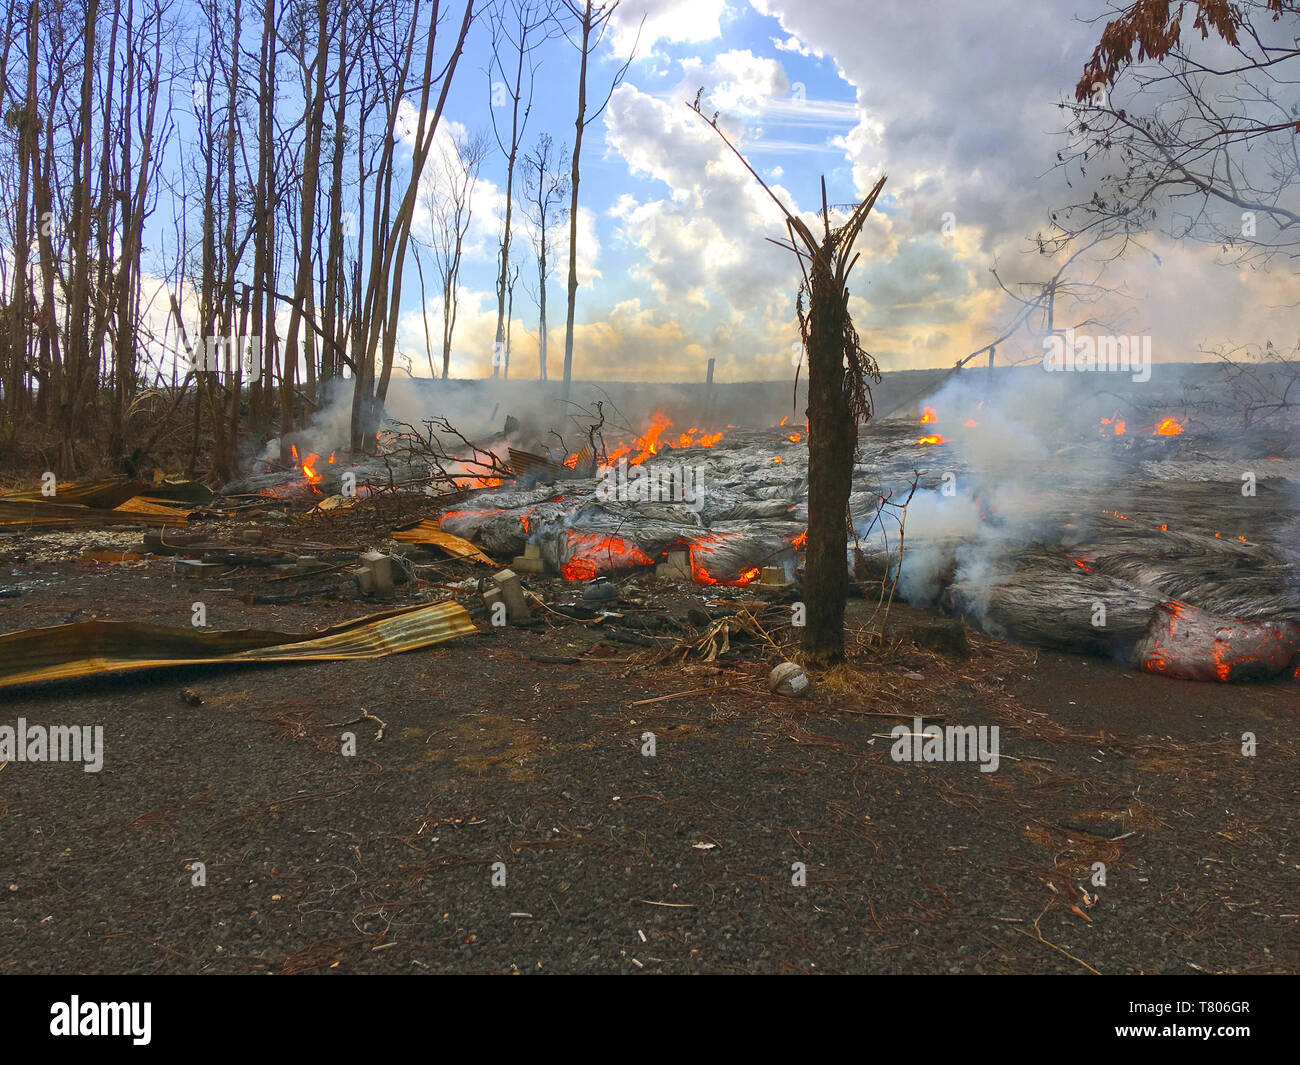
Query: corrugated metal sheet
92	504
91	648
427	532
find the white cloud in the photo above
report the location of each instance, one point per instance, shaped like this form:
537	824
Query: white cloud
675	21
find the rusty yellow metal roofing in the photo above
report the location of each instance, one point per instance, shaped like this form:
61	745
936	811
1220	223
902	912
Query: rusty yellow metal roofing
427	532
91	648
91	504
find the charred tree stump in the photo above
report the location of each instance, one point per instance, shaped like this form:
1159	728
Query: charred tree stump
839	397
832	439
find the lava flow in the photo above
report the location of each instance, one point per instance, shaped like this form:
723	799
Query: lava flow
703	548
595	553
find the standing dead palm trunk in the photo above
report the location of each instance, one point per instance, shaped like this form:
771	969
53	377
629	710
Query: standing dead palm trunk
839	398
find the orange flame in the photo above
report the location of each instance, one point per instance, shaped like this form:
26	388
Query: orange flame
643	447
1115	422
928	416
1169	427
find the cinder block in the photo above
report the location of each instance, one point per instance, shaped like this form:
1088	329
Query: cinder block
774	577
365	583
676	567
512	594
525	564
491	595
381	572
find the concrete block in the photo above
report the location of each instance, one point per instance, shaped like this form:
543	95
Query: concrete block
381	572
676	567
491	596
774	577
365	583
512	594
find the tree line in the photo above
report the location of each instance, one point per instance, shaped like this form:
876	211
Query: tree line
212	206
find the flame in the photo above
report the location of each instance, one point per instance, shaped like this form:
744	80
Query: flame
643	447
1115	422
971	423
1169	427
932	440
928	416
307	467
801	541
794	438
595	553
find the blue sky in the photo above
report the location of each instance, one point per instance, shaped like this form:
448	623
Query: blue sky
955	102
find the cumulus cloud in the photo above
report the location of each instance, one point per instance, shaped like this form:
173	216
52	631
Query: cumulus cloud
674	21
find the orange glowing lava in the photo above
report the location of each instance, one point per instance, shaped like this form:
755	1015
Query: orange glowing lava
595	553
932	440
1169	427
700	551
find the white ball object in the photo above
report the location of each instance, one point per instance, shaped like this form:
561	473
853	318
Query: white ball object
789	679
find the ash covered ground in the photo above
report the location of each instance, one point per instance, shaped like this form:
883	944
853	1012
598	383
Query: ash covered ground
524	745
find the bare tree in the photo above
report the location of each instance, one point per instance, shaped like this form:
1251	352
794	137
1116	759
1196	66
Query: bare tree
449	201
377	311
592	20
519	27
546	185
1199	138
1196	138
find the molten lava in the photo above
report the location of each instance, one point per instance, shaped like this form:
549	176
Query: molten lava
594	553
700	551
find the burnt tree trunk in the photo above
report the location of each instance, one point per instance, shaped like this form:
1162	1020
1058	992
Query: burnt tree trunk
839	397
832	437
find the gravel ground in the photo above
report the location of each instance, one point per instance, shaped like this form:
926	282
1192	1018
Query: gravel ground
615	861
